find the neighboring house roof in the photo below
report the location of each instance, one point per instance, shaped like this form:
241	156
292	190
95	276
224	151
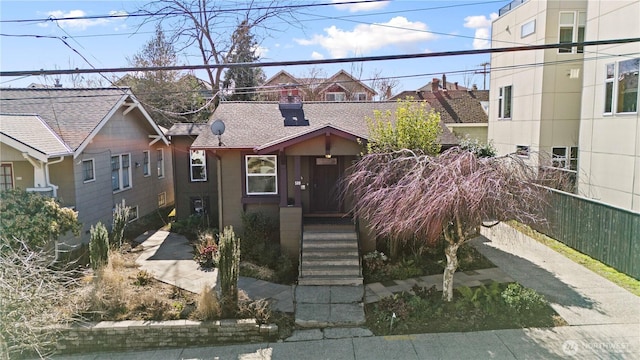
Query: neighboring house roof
335	79
188	129
278	77
428	87
257	125
31	134
75	115
454	106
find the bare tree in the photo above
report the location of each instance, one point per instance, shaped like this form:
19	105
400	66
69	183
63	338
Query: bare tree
34	298
401	195
209	25
383	85
312	80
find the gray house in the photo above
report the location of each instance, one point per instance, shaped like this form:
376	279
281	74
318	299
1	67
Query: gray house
89	148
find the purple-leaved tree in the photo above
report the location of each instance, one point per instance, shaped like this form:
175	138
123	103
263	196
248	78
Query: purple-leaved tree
449	196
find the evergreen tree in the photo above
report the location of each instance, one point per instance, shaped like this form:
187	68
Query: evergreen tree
242	81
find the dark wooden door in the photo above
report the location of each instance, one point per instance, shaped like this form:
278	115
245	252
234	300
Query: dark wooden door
326	173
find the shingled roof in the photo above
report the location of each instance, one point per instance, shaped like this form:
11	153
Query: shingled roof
32	134
454	106
73	114
253	125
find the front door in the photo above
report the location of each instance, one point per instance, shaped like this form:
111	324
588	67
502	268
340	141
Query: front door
326	173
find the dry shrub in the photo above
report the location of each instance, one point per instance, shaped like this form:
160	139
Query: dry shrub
256	271
110	292
208	307
259	309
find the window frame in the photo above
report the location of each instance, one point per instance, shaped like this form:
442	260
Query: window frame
10	177
523	151
505	102
334	94
612	101
146	163
84	171
121	172
249	174
577	27
568	161
357	96
203	165
162	199
160	163
529	27
133	214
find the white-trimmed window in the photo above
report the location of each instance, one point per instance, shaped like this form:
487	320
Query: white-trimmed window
572	26
335	96
565	158
162	199
360	96
522	150
528	28
160	162
621	87
146	159
133	214
121	172
262	174
505	101
6	176
198	161
88	170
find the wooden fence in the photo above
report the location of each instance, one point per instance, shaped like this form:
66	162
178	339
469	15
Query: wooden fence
606	233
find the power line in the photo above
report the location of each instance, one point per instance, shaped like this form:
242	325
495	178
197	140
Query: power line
321	61
149	14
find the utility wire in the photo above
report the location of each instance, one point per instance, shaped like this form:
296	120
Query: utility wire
322	61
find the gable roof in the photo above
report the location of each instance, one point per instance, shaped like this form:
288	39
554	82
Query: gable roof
187	129
31	134
75	115
255	125
279	74
454	106
334	80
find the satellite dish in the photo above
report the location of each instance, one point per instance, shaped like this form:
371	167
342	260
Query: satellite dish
217	128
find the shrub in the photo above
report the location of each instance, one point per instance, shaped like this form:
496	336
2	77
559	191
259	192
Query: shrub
374	266
259	309
258	272
395	304
259	239
206	253
404	269
520	299
98	246
143	278
189	227
208	307
33	219
285	270
229	269
120	219
478	147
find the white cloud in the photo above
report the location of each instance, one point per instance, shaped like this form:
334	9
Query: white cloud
261	51
364	39
317	56
79	24
482	24
365	6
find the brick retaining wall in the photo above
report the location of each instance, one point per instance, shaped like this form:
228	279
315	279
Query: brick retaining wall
133	335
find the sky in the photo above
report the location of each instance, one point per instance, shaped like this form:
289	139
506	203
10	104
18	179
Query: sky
322	32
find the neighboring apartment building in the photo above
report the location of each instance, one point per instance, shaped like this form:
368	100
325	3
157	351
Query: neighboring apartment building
342	86
89	148
572	108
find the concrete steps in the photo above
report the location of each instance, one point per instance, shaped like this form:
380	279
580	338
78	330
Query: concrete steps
330	256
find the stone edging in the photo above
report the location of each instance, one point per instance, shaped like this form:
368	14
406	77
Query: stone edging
130	335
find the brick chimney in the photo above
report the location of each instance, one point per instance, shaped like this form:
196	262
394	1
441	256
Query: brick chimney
435	84
456	85
444	82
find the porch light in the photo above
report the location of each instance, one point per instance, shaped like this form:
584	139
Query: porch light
328	156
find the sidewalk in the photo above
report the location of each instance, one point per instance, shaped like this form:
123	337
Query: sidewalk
604	320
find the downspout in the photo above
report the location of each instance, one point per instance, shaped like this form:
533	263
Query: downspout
219	178
46	175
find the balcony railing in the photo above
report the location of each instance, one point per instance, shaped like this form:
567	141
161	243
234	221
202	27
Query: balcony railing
510	6
44	191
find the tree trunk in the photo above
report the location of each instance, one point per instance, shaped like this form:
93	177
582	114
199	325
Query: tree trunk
451	252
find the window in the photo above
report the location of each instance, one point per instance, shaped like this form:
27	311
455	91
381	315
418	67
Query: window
146	170
621	86
528	28
160	162
6	177
522	150
88	170
262	176
199	205
572	26
120	172
560	159
504	102
162	199
360	96
133	214
335	96
198	165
